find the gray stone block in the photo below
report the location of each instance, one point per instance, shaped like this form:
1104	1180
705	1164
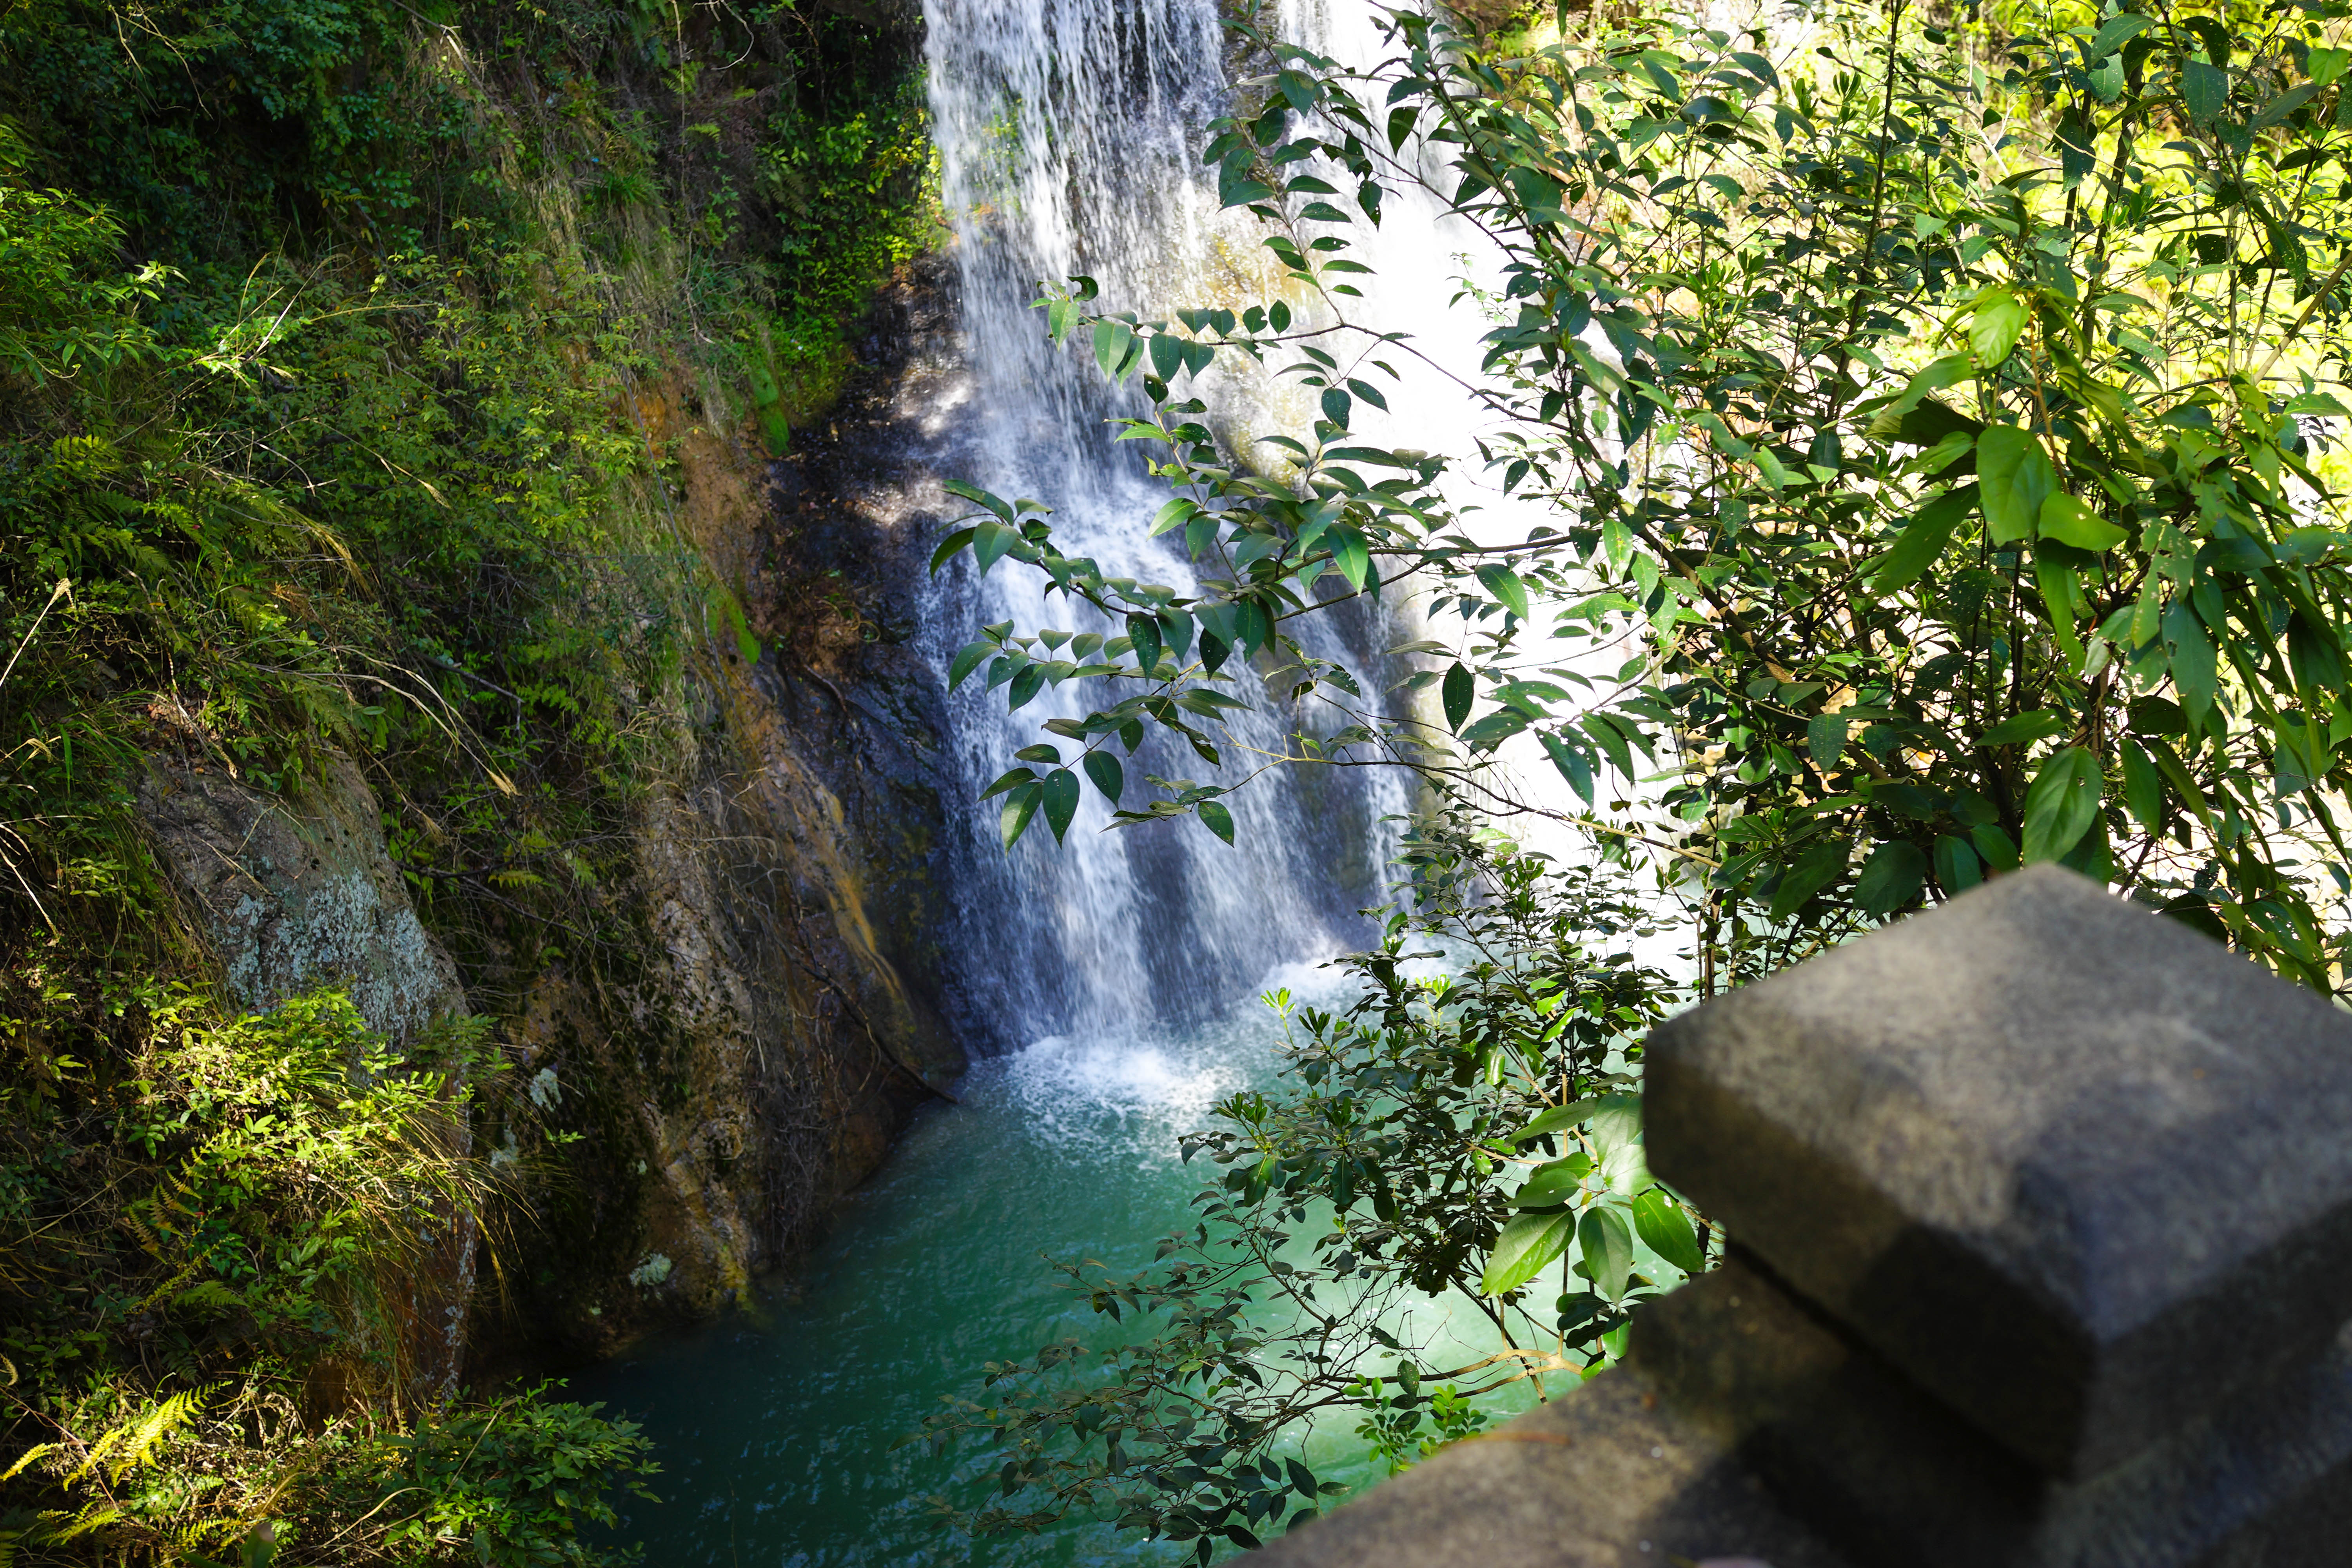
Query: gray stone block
2079	1172
1607	1476
1893	1477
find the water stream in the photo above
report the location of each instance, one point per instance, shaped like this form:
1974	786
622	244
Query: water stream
1114	973
1069	133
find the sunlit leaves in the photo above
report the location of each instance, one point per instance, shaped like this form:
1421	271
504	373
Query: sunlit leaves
1605	1246
2016	477
1526	1244
2062	805
1864	515
1924	539
1506	586
1999	318
2066	520
1665	1229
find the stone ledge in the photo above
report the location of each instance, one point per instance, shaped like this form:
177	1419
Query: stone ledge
1608	1475
1896	1478
2041	1148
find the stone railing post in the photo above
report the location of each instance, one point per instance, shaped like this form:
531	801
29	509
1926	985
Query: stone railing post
2041	1221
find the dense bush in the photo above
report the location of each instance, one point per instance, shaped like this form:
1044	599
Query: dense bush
1938	429
324	326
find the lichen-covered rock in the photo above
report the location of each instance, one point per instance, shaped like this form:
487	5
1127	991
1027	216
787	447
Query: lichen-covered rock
295	892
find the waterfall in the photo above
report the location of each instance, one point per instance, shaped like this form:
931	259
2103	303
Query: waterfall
1069	134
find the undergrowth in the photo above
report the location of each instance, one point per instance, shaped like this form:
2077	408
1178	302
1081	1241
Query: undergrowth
325	330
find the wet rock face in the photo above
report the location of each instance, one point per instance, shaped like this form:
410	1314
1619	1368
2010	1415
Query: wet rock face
773	1000
734	1029
295	893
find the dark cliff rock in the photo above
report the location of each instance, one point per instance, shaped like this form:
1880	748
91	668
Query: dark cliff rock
771	1003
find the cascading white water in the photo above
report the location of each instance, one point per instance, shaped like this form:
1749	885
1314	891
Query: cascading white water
1069	133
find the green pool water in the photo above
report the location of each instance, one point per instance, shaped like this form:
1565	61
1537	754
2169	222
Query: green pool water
777	1428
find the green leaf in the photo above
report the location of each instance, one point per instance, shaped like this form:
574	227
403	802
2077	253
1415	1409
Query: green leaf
1993	331
1026	683
1958	866
1607	1247
1143	634
1458	692
1616	1121
1352	555
2062	591
978	497
1017	776
1061	801
990	541
2326	64
1924	539
1816	867
967	659
2061	805
1891	879
2015	478
1113	340
2317	657
2193	675
1019	807
1626	1170
1665	1229
1611	740
1825	738
2143	786
1555	1118
1505	585
1527	1242
1217	819
1109	776
1555	1182
2284	104
950	546
1993	843
1919	419
2066	520
2115	33
2204	90
2023	728
1573	764
1494	729
1175	515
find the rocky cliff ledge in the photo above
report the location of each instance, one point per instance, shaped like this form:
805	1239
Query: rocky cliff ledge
748	1018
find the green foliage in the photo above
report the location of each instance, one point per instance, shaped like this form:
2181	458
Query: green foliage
2113	471
209	1222
1393	1429
512	1484
1461	1133
326	332
1938	434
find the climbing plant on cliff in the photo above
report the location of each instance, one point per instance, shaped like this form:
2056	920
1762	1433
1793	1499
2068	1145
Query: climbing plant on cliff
1926	439
324	329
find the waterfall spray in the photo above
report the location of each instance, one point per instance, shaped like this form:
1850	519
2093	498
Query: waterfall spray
1069	135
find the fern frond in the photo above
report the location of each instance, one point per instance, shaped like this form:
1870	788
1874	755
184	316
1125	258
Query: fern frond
37	1451
156	1427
